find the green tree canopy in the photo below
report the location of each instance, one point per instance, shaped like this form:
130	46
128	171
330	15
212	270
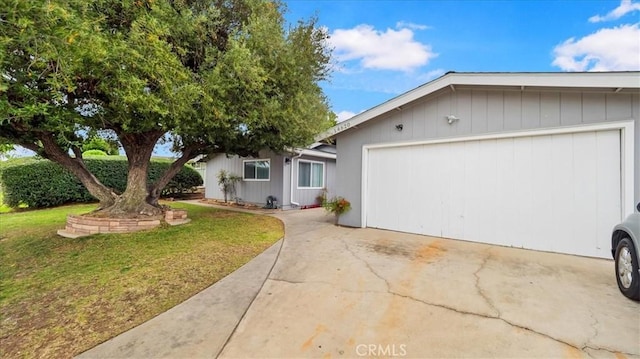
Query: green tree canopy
211	75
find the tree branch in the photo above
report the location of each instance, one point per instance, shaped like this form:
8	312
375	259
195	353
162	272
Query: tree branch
188	153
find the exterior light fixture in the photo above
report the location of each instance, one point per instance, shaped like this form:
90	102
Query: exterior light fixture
451	119
399	127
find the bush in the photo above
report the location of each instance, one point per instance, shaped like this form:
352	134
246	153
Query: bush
43	183
94	153
337	206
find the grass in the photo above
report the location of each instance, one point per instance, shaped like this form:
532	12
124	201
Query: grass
60	296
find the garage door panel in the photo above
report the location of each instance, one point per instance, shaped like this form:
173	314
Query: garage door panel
609	209
505	197
455	175
554	192
485	191
584	191
562	191
522	194
434	178
542	202
411	219
471	190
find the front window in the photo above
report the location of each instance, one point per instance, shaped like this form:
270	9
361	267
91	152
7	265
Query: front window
256	170
310	174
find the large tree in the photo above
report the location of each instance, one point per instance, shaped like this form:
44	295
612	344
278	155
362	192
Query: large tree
209	75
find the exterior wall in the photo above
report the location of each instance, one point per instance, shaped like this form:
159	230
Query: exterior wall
279	184
307	196
480	112
249	191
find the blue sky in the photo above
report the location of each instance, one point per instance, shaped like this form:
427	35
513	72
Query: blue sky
385	48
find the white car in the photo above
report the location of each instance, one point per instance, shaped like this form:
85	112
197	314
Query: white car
624	248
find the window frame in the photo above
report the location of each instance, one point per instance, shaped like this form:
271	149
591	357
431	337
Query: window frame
311	162
244	174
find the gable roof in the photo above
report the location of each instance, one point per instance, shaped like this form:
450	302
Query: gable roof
614	82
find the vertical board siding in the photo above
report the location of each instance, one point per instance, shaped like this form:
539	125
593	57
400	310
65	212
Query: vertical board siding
495	111
530	110
479	123
249	191
464	105
570	109
549	109
480	112
512	110
594	107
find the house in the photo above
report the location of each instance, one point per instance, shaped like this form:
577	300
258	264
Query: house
293	180
544	161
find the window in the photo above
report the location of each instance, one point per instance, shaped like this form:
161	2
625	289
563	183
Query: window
256	170
310	174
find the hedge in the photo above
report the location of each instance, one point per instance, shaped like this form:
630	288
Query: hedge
93	153
43	183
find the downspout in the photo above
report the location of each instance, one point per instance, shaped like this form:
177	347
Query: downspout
293	160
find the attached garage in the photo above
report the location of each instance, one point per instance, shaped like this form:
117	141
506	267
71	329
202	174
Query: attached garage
554	192
538	161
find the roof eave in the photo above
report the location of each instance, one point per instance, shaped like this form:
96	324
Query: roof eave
614	81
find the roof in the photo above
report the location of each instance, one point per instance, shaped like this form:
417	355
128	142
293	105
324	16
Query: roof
317	149
614	82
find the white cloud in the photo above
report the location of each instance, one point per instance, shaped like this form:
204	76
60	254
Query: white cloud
609	49
428	76
374	49
411	25
344	115
626	6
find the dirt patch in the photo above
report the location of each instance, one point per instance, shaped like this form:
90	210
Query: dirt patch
423	253
230	204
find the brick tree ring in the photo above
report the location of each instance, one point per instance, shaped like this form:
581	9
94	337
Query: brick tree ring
80	226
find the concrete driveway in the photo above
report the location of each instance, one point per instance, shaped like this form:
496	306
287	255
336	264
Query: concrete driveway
337	292
341	292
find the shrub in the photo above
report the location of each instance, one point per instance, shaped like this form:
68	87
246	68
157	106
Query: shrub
227	182
44	183
337	205
94	153
107	145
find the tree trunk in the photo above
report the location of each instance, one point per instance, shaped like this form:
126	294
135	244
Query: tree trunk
138	199
133	202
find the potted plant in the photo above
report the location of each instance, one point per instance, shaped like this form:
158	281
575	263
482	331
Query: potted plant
337	205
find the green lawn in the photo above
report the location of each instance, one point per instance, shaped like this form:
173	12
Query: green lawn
60	296
3	207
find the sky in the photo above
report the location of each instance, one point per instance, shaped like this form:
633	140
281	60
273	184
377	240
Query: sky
382	49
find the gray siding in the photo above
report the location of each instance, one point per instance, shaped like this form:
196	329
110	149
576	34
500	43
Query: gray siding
249	191
279	184
480	112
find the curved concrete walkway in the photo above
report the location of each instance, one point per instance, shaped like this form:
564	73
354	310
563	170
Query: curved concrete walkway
200	326
337	292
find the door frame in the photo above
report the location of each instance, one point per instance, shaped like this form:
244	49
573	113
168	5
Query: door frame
626	129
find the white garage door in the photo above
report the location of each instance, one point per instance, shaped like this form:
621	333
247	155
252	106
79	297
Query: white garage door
558	193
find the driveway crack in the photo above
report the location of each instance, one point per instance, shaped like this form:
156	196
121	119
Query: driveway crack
386	282
614	352
446	307
480	290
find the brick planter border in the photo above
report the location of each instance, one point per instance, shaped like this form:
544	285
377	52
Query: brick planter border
79	226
